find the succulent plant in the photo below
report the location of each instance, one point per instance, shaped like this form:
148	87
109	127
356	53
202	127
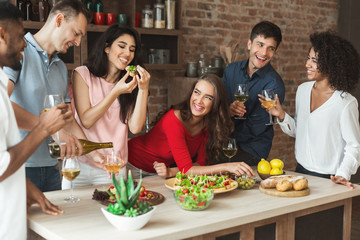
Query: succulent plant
126	196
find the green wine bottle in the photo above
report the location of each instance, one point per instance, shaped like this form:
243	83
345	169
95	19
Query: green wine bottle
88	146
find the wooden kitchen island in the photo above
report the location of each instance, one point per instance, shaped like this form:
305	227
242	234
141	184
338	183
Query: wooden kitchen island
244	211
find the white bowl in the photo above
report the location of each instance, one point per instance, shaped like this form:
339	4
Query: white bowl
128	223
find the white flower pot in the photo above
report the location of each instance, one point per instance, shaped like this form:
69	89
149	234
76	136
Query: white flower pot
124	223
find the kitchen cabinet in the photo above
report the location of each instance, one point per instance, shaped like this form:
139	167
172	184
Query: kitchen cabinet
151	38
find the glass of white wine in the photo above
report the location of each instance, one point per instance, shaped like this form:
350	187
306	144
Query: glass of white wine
51	101
113	162
230	148
268	102
241	94
71	170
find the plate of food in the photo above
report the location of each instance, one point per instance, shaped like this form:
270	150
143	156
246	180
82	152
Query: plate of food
219	184
285	186
154	198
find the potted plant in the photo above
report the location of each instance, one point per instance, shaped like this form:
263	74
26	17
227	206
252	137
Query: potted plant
127	213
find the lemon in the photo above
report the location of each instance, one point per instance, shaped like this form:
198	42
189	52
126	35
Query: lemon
276	171
277	163
264	167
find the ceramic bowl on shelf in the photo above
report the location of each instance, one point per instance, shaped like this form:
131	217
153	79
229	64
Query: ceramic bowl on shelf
124	223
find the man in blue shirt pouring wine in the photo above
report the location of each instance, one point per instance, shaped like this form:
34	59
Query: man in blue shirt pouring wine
253	136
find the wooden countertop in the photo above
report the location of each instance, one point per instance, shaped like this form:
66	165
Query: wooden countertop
84	220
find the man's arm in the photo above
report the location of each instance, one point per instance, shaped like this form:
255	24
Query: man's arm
49	123
25	120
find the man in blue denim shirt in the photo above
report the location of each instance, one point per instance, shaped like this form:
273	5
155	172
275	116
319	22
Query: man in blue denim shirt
253	137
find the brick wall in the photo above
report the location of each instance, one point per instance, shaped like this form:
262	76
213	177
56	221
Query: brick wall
207	24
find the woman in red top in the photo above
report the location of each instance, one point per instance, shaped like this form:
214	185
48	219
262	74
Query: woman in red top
198	126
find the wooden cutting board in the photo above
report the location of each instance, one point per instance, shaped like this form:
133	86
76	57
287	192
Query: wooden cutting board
292	193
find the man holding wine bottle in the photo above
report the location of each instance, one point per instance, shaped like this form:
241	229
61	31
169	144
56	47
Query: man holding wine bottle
13	151
253	136
42	73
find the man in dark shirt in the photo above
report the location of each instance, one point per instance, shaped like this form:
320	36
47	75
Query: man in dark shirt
253	137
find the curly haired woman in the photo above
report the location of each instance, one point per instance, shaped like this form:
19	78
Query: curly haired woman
197	126
326	123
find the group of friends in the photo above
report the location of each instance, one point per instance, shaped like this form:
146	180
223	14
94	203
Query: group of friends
104	103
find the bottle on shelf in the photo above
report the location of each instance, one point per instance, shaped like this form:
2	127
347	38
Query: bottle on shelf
21	4
170	14
202	64
99	6
88	146
29	10
159	15
44	9
147	17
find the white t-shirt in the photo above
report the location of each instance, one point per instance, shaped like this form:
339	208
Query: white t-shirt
327	139
13	188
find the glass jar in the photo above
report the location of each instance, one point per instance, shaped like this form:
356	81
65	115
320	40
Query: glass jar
159	15
147	17
202	64
170	14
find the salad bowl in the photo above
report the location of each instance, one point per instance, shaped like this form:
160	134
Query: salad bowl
193	198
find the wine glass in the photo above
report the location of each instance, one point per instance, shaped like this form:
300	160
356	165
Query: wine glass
71	170
268	102
49	102
241	95
230	148
113	162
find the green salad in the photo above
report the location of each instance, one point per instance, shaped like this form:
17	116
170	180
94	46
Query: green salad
193	197
213	182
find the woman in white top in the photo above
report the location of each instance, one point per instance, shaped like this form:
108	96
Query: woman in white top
326	123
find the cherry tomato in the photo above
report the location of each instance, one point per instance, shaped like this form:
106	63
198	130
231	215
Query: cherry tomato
112	187
226	182
142	188
145	192
201	204
185	191
142	194
211	183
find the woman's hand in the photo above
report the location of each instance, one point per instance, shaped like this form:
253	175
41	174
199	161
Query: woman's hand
341	180
144	79
276	110
161	169
122	87
240	168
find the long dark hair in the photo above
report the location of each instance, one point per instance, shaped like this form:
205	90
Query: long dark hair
219	124
98	63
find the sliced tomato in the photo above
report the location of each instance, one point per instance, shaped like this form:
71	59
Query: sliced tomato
201	204
226	182
185	191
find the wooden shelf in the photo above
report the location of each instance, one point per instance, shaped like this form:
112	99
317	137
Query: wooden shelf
151	38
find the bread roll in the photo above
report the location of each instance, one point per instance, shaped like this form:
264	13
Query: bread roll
300	184
284	185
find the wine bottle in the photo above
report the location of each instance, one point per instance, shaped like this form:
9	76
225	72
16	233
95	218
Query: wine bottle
88	146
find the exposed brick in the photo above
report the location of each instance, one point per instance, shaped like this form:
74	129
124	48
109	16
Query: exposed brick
208	24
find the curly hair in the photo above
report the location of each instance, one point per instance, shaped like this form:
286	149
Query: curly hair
219	122
337	59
